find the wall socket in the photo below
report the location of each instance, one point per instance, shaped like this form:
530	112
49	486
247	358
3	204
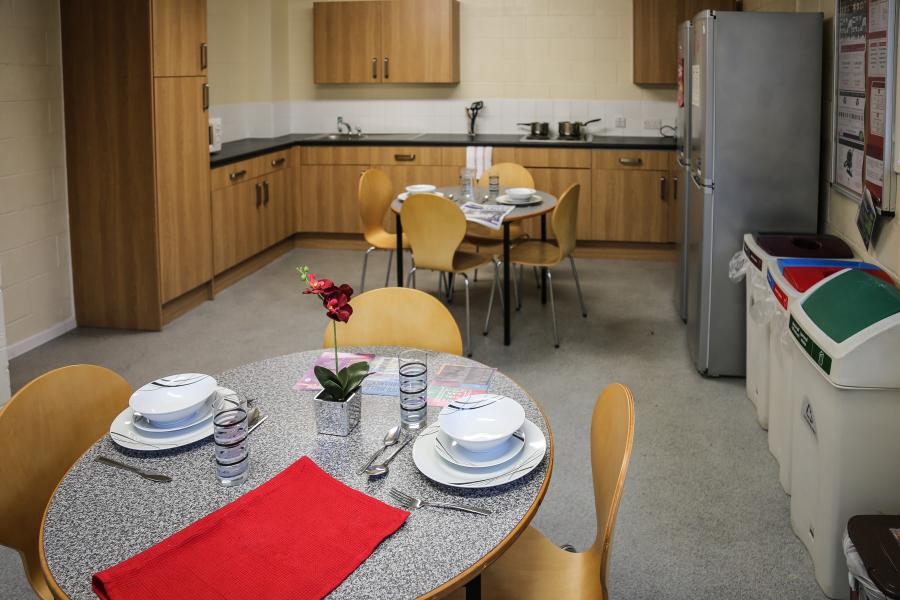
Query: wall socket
620	121
652	124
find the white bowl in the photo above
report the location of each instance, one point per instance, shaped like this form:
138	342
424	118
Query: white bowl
173	398
481	422
520	194
420	188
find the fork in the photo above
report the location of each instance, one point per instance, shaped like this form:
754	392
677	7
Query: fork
413	503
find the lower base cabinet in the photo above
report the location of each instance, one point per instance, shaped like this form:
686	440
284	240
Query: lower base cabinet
328	195
632	206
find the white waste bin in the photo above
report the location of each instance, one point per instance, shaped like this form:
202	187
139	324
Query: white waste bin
845	392
788	278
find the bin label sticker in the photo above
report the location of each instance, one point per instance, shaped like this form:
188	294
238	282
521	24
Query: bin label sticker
806	412
757	261
815	352
779	293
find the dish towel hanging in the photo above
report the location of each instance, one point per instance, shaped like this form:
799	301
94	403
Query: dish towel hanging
479	158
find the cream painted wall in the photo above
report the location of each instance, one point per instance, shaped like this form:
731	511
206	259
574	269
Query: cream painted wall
561	49
841	211
34	238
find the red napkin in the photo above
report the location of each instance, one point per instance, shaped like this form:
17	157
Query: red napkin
296	536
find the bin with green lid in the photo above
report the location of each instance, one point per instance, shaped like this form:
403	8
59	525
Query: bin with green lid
845	451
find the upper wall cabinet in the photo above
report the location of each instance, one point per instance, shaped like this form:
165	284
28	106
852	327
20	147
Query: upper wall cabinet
656	36
179	38
392	41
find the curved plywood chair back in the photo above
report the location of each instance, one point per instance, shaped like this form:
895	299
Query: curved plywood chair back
376	191
398	317
612	437
511	175
435	227
44	428
565	220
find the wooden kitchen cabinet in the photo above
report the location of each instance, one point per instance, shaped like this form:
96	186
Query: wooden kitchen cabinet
631	206
656	36
179	38
276	221
235	219
390	41
328	194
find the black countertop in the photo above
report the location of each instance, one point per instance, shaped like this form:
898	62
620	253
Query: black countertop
250	147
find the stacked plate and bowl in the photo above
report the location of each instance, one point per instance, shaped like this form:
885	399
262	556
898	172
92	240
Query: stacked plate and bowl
169	412
478	442
519	196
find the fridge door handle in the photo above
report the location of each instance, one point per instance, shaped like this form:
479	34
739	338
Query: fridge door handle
695	177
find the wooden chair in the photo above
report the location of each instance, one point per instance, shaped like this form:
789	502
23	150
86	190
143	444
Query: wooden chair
393	316
44	428
545	255
534	567
511	175
376	192
435	227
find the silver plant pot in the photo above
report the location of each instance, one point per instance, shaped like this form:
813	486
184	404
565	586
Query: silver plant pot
338	418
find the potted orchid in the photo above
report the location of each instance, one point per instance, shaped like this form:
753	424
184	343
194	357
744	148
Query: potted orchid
338	406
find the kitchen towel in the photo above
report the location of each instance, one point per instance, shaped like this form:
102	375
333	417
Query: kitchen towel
479	158
299	535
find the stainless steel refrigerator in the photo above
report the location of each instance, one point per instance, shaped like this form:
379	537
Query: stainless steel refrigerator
756	100
683	153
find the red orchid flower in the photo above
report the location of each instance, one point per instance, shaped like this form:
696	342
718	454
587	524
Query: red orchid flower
337	306
317	286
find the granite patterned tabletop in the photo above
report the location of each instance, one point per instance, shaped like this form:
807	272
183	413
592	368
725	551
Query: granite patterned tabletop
518	213
100	516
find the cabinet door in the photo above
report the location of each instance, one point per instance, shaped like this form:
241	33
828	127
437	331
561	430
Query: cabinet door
179	37
656	40
329	198
347	42
556	181
631	206
182	184
277	212
420	41
236	223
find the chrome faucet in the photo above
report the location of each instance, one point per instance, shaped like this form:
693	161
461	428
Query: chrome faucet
351	131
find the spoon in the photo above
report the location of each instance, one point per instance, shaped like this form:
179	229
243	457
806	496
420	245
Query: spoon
382	469
390	438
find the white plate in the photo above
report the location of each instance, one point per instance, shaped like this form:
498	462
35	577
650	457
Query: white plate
123	432
435	468
173	398
450	450
504	199
482	421
403	196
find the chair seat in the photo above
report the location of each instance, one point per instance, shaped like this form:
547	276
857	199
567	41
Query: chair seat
480	235
465	261
534	567
384	240
535	253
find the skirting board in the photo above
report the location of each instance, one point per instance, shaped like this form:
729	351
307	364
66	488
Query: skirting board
42	337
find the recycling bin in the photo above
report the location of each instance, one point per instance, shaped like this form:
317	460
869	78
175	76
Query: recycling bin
761	249
788	278
845	394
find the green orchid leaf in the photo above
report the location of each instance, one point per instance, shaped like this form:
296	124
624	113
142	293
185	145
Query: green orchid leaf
333	389
342	377
356	373
323	375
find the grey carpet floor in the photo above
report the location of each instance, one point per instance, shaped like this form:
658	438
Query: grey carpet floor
702	514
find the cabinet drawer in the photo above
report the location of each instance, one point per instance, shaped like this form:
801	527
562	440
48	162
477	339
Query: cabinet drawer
337	155
234	173
276	161
632	160
406	155
579	158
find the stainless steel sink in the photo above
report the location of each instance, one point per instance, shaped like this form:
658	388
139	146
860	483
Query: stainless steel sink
346	137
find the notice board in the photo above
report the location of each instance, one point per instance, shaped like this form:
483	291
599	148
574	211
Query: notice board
863	100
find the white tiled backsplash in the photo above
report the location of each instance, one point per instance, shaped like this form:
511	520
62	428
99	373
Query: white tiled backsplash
500	115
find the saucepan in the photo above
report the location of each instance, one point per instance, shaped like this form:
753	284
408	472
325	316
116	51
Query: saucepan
538	128
574	129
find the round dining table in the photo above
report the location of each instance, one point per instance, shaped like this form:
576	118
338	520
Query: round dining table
519	213
100	516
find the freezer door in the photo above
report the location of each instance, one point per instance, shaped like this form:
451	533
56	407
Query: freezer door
683	151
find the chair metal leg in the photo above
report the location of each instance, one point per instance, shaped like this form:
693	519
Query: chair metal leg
494	285
578	287
387	276
362	284
475	278
537	278
411	276
552	309
450	284
516	287
468	349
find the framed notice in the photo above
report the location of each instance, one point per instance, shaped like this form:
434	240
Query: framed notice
865	40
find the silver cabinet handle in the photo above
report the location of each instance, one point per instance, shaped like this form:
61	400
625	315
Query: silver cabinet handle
203	57
662	188
387	72
205	96
404	157
374	67
277	162
631	162
265	193
258	194
675	189
237	174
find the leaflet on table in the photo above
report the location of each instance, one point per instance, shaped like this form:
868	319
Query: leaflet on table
489	215
384	378
456	382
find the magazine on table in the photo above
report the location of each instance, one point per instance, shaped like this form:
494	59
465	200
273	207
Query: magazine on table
489	215
383	379
456	382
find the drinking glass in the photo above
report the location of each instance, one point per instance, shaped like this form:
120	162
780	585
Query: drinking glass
494	186
413	389
232	454
467	183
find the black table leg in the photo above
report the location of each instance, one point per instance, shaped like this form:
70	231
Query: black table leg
507	315
473	589
543	270
399	252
